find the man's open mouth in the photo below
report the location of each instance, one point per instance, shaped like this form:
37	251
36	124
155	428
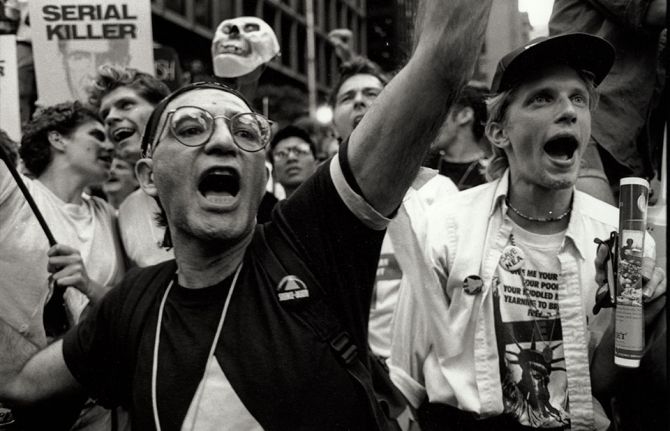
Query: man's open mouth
122	133
106	158
357	119
561	147
218	184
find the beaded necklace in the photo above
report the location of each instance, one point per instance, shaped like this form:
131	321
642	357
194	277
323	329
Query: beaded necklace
539	219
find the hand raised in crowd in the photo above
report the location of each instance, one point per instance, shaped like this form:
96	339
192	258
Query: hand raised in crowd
341	40
67	268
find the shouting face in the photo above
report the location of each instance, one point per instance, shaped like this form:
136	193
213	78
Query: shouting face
210	192
353	99
546	129
125	113
122	179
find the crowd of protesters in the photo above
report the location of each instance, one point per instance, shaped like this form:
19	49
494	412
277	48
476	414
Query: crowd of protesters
215	271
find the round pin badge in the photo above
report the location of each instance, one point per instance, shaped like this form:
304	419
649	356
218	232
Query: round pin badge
473	284
512	258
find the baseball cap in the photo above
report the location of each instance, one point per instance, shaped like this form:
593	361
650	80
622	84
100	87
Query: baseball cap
582	51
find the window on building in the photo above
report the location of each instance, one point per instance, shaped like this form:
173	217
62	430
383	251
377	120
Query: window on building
249	7
202	11
178	6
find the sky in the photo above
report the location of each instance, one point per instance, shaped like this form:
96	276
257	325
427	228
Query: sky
538	13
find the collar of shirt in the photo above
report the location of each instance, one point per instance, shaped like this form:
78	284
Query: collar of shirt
575	233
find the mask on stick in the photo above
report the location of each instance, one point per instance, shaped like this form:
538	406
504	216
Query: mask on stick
242	44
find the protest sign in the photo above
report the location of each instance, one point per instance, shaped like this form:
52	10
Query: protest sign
70	41
10	116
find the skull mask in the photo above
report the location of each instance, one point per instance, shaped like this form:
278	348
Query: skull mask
242	44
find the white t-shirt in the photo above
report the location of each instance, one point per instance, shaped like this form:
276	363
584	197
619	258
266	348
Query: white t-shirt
429	187
528	329
384	298
140	234
89	227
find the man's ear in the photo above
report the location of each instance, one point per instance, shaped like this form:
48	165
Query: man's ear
269	171
56	140
497	135
465	116
144	170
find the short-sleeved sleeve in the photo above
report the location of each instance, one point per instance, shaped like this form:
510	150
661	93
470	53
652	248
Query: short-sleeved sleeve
102	350
87	352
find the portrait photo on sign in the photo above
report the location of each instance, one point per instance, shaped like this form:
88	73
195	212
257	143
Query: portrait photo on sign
71	40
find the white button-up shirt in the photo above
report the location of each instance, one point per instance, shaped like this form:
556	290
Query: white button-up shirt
444	341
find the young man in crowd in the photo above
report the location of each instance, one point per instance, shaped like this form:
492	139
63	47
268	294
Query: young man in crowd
461	145
293	157
122	181
125	98
168	341
497	330
354	94
359	83
64	147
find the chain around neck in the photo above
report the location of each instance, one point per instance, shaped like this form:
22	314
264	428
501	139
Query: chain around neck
539	219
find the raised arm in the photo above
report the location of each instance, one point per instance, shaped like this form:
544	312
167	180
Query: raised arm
386	149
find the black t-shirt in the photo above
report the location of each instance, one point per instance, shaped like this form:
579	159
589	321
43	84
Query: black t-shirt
464	175
265	208
285	377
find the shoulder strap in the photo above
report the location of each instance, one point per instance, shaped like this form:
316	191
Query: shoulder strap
317	313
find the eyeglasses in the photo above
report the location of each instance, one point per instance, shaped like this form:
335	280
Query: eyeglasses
284	154
193	127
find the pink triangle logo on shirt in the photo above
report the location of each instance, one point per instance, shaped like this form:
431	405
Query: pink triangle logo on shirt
292	288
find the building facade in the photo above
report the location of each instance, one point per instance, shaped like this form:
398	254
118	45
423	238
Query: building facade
382	30
189	25
508	29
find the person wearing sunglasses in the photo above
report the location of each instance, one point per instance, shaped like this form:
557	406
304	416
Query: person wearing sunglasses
293	157
211	340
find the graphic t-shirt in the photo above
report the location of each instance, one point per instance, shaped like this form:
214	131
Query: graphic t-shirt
427	189
528	330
